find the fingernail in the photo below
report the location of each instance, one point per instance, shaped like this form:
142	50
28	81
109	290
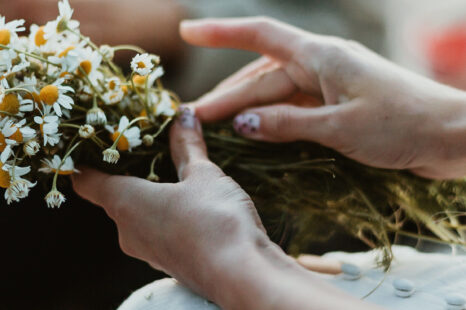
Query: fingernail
247	123
187	117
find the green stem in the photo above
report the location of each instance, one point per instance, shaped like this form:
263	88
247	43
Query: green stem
54	184
128	47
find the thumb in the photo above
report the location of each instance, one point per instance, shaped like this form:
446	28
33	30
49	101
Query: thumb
187	146
286	123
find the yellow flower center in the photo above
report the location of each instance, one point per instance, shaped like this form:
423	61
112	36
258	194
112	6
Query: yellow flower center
139	80
65	52
4	177
124	88
39	37
49	94
85	66
141	65
17	136
10	104
63	172
5	37
2	142
123	144
112	84
143	123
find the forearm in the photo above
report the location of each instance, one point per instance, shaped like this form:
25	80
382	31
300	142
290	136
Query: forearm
263	277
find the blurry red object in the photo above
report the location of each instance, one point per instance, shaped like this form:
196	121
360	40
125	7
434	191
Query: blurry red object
446	51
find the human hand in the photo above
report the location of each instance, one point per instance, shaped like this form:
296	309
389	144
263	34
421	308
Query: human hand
334	92
205	232
190	229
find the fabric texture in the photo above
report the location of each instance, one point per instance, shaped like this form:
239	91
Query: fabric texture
435	276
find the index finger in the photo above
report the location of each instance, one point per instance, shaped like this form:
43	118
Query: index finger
112	192
256	34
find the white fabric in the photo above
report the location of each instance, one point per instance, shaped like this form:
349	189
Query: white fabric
434	275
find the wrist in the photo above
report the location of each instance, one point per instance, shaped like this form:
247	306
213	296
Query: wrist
261	276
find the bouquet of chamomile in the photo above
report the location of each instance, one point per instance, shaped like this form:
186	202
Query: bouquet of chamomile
57	89
61	95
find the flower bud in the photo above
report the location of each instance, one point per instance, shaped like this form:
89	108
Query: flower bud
86	131
31	148
54	199
96	116
111	156
107	51
148	140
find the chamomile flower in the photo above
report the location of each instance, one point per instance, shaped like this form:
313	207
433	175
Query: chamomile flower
86	131
89	63
12	134
129	137
55	28
48	127
165	106
55	95
16	187
51	166
96	116
9	31
114	92
142	64
54	199
31	148
14	104
67	57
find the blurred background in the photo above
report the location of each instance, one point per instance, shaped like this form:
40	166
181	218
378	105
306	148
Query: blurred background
70	258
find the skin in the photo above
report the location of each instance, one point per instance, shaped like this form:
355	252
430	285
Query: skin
337	93
205	231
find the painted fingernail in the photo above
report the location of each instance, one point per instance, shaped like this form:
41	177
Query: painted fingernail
187	117
247	123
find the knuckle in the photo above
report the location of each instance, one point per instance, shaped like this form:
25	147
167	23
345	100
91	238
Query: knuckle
263	22
280	120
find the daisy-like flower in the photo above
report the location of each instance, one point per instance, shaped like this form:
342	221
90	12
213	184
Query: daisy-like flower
107	51
86	131
67	57
51	166
166	106
96	116
54	28
129	138
115	92
48	126
111	156
9	37
31	148
12	134
14	104
9	31
55	95
142	64
89	63
54	199
18	188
